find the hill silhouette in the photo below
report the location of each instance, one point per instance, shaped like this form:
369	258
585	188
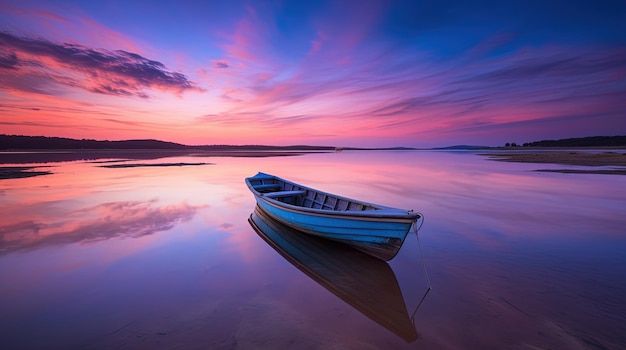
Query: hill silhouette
44	142
18	142
592	141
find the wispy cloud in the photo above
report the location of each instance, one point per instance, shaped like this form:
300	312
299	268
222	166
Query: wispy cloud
118	72
220	64
355	80
408	92
258	120
22	12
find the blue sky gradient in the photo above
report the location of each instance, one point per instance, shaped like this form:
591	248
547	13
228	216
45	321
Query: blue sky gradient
344	73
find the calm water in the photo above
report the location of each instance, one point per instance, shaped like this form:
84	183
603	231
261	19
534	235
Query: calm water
164	257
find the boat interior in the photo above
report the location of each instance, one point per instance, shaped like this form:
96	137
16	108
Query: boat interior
294	194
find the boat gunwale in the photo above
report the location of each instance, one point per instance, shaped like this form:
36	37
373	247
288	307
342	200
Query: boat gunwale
381	211
363	215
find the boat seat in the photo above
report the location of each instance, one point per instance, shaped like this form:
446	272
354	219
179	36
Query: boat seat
284	194
267	187
262	177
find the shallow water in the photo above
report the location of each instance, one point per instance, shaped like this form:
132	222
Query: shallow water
164	257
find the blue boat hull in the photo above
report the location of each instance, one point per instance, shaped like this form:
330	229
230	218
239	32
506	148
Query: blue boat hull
381	238
374	229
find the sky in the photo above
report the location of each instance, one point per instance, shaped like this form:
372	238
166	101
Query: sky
337	73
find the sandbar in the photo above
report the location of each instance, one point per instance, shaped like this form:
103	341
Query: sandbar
53	156
19	172
589	159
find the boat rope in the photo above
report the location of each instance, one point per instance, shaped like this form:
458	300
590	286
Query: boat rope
428	286
416	228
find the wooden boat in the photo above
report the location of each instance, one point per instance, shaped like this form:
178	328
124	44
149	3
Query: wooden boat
374	229
367	284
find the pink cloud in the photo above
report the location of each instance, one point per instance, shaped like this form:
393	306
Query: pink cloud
70	24
316	46
249	40
23	12
96	33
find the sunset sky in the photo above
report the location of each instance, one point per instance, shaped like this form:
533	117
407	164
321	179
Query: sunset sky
339	73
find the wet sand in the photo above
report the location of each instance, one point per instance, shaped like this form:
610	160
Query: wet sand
53	156
15	172
589	159
118	156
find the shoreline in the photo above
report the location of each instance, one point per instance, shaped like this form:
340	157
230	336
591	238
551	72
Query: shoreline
17	164
542	149
567	157
575	156
66	155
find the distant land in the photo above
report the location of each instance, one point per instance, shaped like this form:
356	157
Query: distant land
580	142
461	147
593	141
19	142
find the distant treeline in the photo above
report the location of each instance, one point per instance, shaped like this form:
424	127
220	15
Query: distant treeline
17	142
593	141
44	142
375	149
262	148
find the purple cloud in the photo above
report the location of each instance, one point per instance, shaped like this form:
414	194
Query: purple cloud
118	72
220	64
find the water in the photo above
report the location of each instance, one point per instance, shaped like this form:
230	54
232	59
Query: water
164	257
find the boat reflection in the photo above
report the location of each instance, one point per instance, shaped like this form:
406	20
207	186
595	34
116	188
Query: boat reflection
364	282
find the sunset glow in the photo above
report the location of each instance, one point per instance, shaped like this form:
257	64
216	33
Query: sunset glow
349	73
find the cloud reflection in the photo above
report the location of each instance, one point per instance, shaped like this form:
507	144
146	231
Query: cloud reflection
122	219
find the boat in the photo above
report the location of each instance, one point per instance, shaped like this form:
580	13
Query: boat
366	283
374	229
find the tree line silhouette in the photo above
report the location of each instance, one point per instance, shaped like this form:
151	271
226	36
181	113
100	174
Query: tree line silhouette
19	142
591	141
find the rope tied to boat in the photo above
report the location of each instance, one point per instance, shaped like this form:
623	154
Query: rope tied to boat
428	285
